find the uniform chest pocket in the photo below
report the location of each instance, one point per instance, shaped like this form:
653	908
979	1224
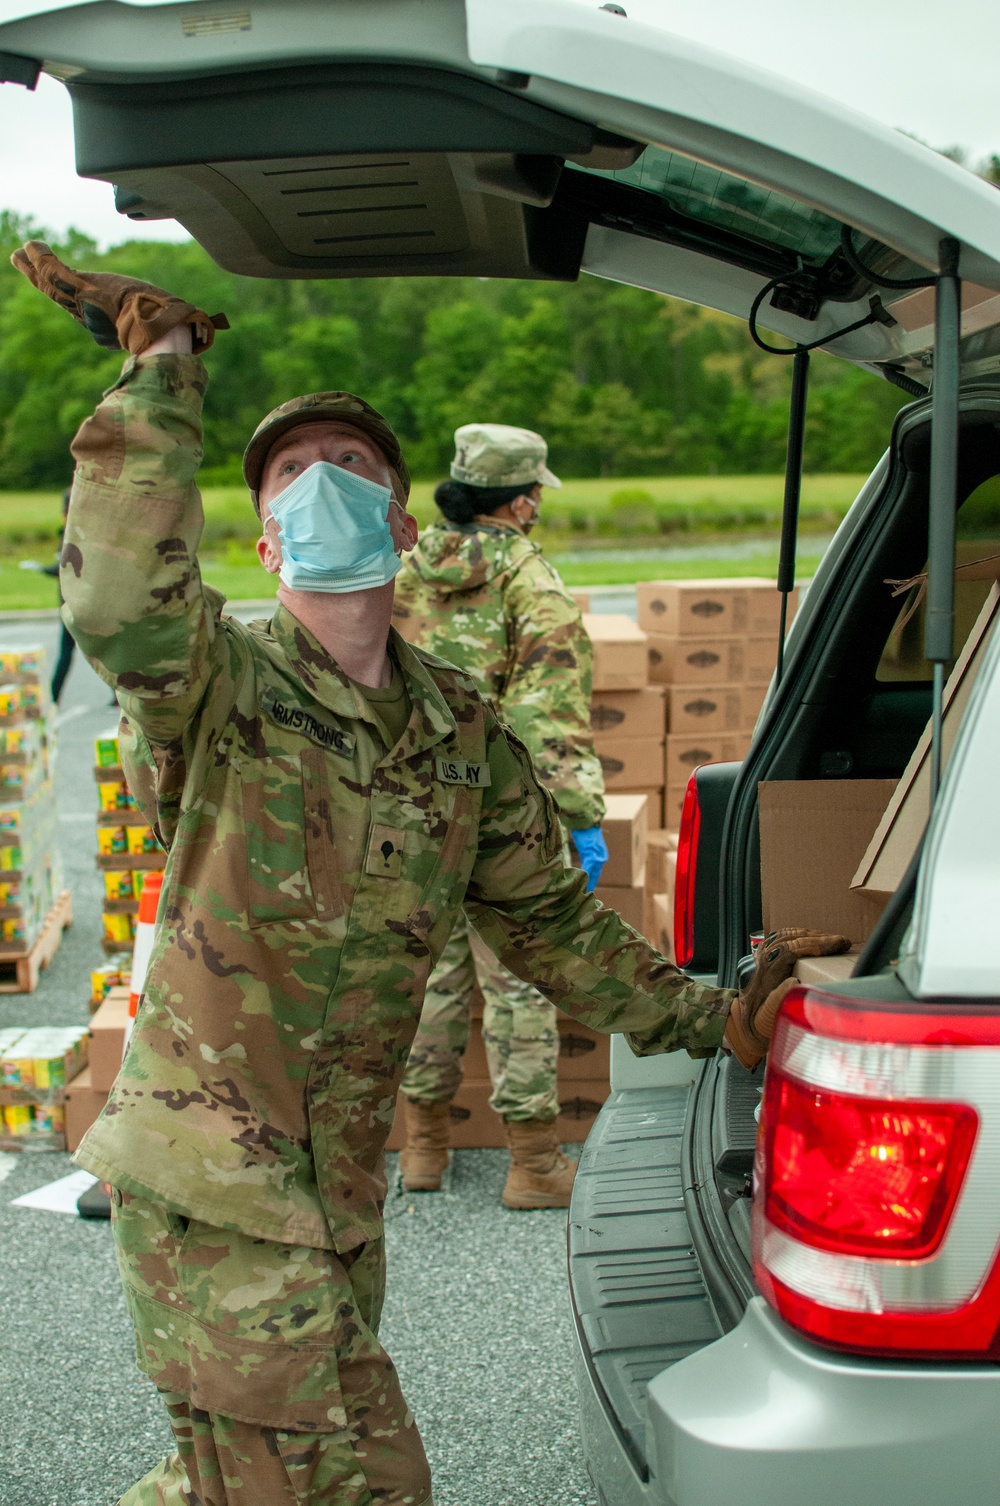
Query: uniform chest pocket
274	822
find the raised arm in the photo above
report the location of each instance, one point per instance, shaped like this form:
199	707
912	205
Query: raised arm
134	599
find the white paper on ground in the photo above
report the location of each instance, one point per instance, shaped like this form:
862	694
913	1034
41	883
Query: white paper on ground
57	1197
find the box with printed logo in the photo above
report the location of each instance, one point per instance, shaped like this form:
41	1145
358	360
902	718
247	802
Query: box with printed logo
629	762
629	713
688	751
704	708
710	661
724	607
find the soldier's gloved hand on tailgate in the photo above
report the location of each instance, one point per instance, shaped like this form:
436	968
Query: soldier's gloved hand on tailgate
755	1008
592	851
121	313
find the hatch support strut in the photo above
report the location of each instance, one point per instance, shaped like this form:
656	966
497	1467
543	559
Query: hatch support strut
939	630
793	492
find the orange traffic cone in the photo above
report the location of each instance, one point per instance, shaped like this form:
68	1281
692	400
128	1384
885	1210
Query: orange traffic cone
145	931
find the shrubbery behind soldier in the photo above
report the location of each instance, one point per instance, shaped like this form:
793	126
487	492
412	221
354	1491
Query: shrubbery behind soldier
318	857
478	593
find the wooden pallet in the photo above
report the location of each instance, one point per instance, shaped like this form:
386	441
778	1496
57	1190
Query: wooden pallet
19	971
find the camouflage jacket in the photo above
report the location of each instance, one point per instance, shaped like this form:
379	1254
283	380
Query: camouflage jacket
485	598
313	876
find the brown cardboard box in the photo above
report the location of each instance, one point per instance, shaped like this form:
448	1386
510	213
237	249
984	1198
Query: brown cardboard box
883	865
475	1126
654	804
107	1039
752	697
627	900
725	607
619	651
673	805
662	929
625	828
661	860
83	1104
813	833
816	971
687	751
710	661
704	708
629	713
583	1053
630	762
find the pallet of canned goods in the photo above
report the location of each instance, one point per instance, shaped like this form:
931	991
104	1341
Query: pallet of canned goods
126	846
36	1065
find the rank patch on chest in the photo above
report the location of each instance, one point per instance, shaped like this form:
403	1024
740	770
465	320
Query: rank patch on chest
307	723
455	771
385	852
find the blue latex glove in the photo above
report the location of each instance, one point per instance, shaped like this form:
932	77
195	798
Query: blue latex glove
593	853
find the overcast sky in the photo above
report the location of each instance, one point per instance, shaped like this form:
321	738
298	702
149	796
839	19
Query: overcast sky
925	66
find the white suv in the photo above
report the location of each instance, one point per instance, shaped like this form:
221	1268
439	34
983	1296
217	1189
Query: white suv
846	1346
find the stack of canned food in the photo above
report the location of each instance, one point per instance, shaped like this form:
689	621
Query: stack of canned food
126	846
30	868
35	1067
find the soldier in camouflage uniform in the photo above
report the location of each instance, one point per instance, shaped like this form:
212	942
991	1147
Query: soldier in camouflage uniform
477	592
317	861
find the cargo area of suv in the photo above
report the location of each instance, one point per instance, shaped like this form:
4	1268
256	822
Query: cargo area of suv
742	1337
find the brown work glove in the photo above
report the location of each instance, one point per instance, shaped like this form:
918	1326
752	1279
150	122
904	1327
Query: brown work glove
121	313
754	1010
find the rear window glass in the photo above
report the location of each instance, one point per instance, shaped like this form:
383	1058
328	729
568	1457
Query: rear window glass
732	203
977	554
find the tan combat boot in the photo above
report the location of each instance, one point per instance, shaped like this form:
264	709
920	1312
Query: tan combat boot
540	1175
428	1136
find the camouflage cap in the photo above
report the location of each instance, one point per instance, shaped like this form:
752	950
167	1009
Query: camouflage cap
500	455
320	407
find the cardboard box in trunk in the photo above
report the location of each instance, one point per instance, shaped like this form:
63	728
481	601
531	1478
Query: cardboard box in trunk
704	708
820	971
686	751
628	900
630	762
813	833
629	713
625	828
725	607
711	661
619	651
895	840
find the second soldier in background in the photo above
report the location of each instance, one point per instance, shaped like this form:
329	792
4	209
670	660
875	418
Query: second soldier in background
478	593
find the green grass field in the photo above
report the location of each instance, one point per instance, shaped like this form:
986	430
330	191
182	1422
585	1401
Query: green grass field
643	516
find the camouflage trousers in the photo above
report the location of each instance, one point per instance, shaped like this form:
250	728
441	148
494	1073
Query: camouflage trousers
519	1033
268	1359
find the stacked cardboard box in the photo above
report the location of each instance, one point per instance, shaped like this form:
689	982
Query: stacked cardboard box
36	1067
88	1093
661	869
713	645
126	846
626	712
31	888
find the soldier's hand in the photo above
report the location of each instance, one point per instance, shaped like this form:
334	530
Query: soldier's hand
121	313
754	1010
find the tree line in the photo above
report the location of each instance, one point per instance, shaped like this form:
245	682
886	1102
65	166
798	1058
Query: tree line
620	381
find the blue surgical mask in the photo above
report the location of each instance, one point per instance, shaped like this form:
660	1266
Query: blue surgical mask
334	531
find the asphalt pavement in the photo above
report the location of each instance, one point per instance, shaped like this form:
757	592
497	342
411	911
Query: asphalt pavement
477	1315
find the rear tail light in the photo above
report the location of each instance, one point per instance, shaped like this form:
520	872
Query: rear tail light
684	883
876	1222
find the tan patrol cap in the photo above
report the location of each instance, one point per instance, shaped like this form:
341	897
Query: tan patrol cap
320	407
500	455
